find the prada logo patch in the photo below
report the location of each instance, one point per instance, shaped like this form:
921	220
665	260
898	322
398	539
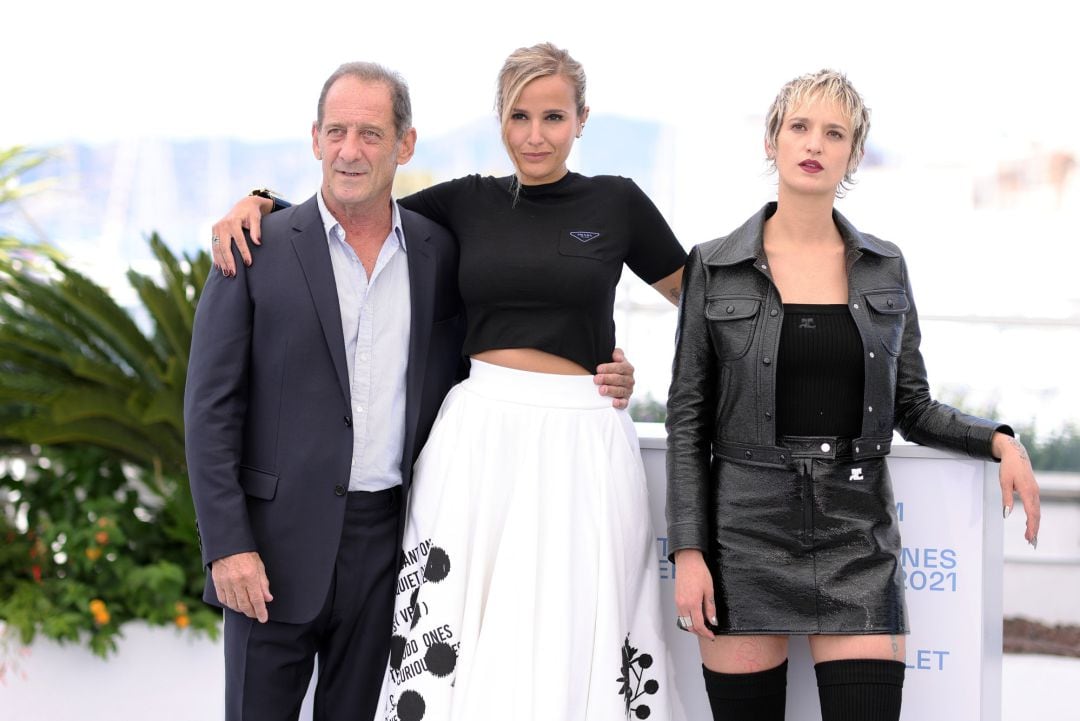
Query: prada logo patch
856	474
583	236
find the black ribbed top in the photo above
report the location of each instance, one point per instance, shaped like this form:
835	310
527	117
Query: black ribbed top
819	373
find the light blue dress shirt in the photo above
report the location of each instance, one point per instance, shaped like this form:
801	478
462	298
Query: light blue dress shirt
375	319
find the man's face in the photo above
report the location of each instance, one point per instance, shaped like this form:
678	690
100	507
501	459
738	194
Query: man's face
358	145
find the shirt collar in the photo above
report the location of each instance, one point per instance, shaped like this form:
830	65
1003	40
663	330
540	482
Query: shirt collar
334	230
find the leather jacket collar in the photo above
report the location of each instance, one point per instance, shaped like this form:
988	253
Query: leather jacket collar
745	243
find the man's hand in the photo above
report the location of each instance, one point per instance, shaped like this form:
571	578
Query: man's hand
248	214
241	584
616	379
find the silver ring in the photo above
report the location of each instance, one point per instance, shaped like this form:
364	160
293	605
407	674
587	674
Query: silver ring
215	240
684	622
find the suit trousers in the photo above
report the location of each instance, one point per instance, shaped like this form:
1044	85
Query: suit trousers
268	666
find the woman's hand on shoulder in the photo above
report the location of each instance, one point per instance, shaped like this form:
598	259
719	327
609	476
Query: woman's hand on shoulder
694	595
247	213
1017	479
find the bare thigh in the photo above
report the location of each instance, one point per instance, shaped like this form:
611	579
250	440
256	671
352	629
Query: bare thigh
888	647
743	654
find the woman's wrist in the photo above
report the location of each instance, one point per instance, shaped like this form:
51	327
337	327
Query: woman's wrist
1002	444
684	554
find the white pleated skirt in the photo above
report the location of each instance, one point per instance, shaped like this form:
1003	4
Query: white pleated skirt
530	584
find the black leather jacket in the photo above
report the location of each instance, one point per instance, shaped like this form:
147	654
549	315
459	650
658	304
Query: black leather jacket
723	387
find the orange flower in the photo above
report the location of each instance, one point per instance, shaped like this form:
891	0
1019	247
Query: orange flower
181	608
103	522
182	621
93	553
101	537
99	611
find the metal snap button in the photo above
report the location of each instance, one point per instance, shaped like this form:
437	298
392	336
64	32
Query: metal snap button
730	309
825	448
748	454
855	306
871	354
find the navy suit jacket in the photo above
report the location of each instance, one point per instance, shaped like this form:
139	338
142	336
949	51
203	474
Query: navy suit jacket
266	408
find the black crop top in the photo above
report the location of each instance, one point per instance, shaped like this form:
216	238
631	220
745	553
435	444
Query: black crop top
541	272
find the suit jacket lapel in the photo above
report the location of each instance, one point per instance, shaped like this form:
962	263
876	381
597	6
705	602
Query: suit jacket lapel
311	249
421	284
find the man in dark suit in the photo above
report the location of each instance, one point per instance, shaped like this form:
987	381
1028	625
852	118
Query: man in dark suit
314	378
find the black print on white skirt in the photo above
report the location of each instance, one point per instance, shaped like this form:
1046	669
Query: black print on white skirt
439	653
439	660
411	706
633	684
438	565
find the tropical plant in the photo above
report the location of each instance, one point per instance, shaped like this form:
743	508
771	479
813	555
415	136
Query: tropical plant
94	500
14	163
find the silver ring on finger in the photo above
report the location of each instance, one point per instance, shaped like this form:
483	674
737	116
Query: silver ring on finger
685	623
214	240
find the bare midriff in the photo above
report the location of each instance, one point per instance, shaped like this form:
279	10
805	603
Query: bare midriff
531	359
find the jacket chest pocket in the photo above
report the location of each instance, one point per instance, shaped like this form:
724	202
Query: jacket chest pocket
731	325
887	313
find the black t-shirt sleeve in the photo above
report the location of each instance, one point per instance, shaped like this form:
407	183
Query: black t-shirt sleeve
437	202
654	251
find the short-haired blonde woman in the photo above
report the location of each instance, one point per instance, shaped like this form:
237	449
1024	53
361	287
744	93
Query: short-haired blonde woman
529	586
797	356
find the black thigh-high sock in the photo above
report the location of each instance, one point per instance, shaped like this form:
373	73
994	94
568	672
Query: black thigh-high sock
860	689
758	696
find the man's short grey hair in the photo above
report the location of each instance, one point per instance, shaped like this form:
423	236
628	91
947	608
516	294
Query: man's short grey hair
374	73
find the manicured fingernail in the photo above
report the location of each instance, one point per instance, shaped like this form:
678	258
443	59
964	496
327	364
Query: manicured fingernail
713	621
1005	511
1034	543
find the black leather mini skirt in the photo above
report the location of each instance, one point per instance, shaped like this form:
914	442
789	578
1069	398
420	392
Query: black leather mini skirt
813	548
